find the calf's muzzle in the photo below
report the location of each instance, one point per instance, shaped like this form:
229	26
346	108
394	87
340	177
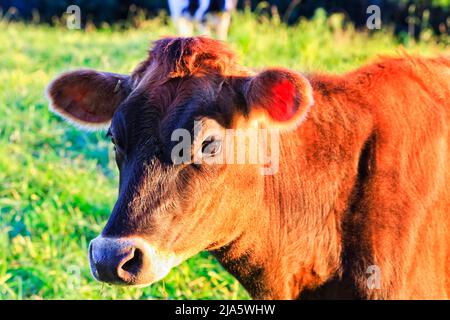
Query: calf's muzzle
127	261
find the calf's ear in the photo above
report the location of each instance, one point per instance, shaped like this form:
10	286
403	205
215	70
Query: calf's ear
278	98
87	98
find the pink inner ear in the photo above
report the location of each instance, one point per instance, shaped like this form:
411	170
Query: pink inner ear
283	99
80	109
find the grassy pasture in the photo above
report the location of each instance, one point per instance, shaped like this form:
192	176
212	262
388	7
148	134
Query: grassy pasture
58	184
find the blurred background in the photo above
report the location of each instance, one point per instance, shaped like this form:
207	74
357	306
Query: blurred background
58	184
404	15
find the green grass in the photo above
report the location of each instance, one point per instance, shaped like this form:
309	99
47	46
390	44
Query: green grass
58	184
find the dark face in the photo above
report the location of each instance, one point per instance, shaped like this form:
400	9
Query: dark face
173	201
162	204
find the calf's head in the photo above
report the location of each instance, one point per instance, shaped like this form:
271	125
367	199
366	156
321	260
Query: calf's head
168	210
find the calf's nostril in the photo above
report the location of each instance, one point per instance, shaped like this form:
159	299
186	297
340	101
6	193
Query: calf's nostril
132	265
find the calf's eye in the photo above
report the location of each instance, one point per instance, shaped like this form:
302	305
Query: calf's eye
119	154
211	147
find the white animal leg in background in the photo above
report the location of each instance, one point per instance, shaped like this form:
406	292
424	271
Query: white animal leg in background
222	25
185	26
201	11
176	7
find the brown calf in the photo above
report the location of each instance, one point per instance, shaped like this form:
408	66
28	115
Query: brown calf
358	208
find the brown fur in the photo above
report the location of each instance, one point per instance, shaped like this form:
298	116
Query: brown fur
363	180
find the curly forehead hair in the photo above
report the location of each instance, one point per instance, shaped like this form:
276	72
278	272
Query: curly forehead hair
182	57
